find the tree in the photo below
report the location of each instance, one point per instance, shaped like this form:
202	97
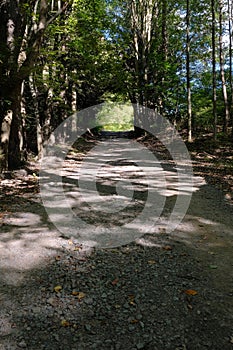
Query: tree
222	69
214	93
188	78
22	29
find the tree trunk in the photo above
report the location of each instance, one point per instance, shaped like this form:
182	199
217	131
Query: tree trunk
21	37
214	93
230	33
222	71
4	141
141	24
188	78
164	38
15	148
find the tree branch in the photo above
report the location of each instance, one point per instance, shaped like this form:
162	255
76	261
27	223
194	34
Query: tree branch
37	40
58	13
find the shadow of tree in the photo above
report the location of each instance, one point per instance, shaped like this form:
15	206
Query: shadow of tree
133	296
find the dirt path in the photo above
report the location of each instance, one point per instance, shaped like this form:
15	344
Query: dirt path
162	291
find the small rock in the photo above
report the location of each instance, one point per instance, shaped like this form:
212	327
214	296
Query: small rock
36	310
140	346
22	344
51	301
88	301
56	337
87	327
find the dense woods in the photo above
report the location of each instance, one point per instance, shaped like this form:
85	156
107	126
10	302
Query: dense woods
58	57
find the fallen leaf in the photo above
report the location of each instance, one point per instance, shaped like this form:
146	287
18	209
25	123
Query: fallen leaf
152	262
65	323
57	289
134	321
131	299
167	247
58	257
81	295
190	292
75	293
212	253
162	230
70	242
213	266
114	282
77	247
231	340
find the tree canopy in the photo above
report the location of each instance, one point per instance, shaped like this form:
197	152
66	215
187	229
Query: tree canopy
57	57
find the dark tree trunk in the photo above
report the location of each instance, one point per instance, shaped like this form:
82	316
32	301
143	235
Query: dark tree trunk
188	78
214	87
19	52
15	148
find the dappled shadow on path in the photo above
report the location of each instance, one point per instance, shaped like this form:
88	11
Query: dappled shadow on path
133	295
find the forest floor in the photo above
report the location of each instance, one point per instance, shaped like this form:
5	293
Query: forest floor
161	291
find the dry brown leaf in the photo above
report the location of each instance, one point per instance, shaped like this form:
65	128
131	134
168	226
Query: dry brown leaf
134	321
114	282
77	248
57	289
131	299
152	262
65	323
81	295
190	292
162	230
167	247
75	293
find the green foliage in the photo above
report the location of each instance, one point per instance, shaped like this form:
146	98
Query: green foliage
116	117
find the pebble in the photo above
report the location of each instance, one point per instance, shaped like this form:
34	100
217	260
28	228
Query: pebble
100	324
56	337
22	344
51	301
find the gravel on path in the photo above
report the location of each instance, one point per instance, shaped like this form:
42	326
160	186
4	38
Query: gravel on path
162	291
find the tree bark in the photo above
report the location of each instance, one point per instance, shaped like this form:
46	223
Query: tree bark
230	34
15	148
214	91
222	71
142	19
20	40
188	78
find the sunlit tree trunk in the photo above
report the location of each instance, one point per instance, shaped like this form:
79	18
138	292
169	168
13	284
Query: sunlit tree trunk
230	34
222	70
214	93
164	38
188	78
142	18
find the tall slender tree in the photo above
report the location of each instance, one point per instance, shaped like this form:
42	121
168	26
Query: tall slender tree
188	77
222	69
214	78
